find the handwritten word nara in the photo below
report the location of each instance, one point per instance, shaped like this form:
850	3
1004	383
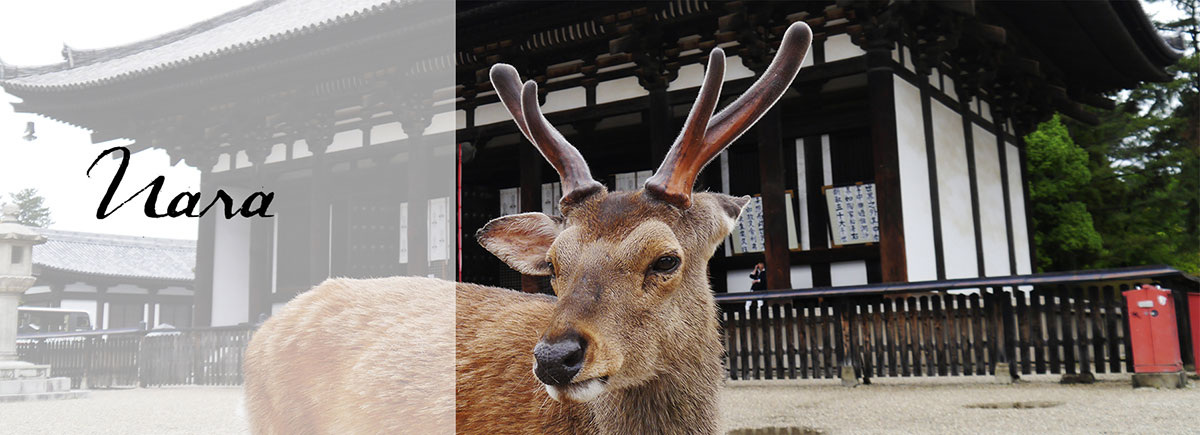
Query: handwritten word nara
184	204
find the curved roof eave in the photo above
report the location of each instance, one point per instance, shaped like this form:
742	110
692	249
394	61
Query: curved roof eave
86	70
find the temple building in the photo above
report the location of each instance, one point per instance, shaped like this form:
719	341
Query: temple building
895	156
120	281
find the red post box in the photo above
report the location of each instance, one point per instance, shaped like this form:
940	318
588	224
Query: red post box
1194	310
1153	330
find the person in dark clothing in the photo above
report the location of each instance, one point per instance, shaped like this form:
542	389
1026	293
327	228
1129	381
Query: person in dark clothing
758	277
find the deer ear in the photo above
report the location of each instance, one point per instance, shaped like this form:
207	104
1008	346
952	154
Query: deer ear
733	205
521	240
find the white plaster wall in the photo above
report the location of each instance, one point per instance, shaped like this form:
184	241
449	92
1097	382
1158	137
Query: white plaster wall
241	160
38	289
1016	194
490	114
802	276
991	202
442	122
848	273
565	99
954	194
738	280
388	132
914	183
620	89
278	153
79	287
735	70
222	163
690	76
838	47
345	140
127	289
802	197
231	270
300	150
175	291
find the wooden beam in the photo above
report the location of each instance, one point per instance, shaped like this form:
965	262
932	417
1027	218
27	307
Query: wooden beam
206	238
885	151
771	174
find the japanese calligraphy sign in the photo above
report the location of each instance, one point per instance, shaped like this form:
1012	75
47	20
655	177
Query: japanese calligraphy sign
853	217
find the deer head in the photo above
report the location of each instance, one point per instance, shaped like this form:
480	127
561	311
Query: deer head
630	268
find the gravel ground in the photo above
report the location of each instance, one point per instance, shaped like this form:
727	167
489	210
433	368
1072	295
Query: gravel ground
166	411
961	405
928	405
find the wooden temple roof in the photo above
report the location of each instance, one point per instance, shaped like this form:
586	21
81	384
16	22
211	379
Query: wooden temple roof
258	24
1108	44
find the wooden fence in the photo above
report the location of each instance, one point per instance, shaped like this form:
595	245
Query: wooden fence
1070	323
134	357
1046	323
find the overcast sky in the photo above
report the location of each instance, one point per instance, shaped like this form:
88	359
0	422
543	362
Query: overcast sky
33	33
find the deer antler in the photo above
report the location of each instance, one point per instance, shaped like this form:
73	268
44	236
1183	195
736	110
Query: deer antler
522	104
705	135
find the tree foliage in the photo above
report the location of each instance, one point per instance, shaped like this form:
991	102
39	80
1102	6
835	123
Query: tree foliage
1064	235
30	208
1143	193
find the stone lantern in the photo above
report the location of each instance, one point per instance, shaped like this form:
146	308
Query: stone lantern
20	380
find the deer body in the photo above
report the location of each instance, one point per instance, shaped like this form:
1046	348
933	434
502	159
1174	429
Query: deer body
630	344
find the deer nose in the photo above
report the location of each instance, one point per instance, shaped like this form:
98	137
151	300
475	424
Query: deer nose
560	359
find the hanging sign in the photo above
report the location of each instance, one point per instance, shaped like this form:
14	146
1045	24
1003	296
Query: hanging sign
853	217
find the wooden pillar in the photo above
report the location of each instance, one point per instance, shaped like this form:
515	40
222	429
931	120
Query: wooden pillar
531	198
884	147
318	218
261	242
414	121
661	132
203	299
100	290
771	175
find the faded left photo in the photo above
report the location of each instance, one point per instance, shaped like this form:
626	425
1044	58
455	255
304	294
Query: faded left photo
228	217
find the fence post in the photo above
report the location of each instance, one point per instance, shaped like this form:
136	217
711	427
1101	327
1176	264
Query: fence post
848	362
1010	332
1183	317
1000	323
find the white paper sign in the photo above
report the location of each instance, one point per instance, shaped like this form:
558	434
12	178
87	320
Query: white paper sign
749	234
853	217
404	233
510	201
439	221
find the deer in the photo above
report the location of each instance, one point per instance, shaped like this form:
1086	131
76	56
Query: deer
629	343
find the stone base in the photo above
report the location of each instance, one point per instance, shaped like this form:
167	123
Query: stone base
1079	378
848	378
1160	380
1003	375
21	390
22	370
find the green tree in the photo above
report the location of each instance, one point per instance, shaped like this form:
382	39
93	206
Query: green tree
1144	160
30	208
1064	234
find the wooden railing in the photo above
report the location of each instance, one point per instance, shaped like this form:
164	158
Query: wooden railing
136	357
1071	323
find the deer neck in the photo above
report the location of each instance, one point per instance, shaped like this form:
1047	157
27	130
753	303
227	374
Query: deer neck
682	398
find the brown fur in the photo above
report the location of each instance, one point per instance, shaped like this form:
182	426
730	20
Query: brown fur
372	356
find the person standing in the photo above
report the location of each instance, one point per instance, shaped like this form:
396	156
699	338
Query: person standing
758	277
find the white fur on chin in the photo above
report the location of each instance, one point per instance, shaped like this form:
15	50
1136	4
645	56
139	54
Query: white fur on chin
585	391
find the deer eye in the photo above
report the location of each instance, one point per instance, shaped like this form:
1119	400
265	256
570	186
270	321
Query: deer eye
665	264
